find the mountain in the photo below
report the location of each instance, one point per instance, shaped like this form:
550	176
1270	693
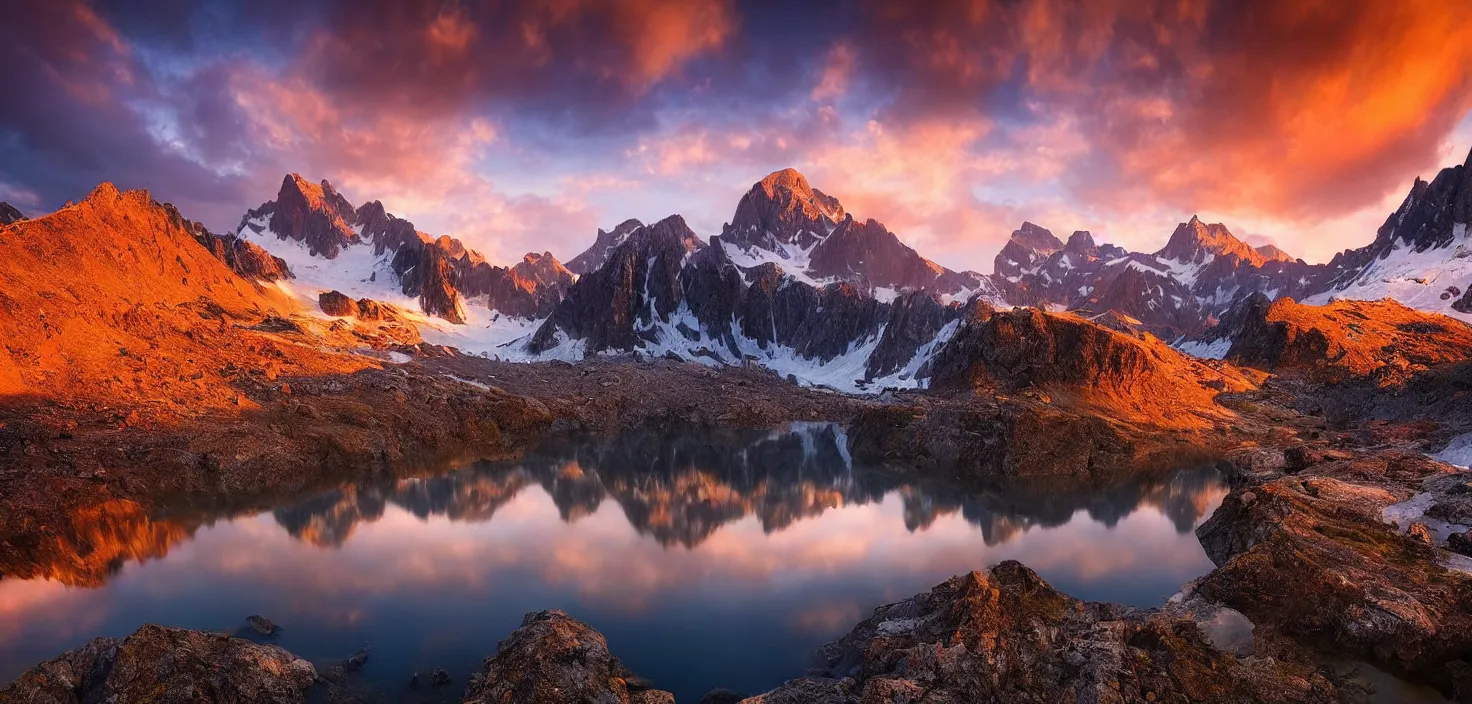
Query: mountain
113	297
1421	256
1383	341
9	214
593	258
368	252
1176	291
783	220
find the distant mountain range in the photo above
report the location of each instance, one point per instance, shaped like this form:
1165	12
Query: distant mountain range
795	282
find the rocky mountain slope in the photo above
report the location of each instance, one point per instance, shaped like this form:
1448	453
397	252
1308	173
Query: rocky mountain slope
1346	339
1421	256
368	252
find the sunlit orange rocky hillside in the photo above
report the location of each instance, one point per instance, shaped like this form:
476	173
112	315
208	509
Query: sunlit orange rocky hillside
113	300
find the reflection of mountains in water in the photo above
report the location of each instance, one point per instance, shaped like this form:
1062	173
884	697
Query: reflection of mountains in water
680	487
677	487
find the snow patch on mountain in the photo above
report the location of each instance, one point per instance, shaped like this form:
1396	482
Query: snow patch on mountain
1417	279
1205	349
908	376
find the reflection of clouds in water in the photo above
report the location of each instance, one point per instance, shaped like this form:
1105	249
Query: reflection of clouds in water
603	558
632	527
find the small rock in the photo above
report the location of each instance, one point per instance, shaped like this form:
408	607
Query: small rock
439	677
721	696
1419	531
356	661
262	625
1460	543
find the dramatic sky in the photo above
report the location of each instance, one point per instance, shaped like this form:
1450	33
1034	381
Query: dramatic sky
525	125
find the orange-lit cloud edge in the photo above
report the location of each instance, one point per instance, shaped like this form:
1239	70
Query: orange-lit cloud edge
525	126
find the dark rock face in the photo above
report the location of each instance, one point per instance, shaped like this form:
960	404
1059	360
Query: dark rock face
1464	304
556	659
782	211
442	272
914	320
244	258
1173	292
9	214
335	303
158	664
314	214
1005	635
596	256
386	231
783	216
867	253
1029	246
426	272
1426	220
611	307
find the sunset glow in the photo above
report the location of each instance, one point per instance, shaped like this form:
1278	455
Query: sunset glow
525	126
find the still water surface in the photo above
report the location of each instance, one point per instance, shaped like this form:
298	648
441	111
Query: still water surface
706	561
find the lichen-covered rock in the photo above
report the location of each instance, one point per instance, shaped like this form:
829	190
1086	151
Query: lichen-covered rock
166	666
1005	635
556	659
1313	556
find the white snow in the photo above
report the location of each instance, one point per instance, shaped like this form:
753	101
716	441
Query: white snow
1141	266
399	358
469	382
905	378
1215	349
793	260
1416	279
1458	452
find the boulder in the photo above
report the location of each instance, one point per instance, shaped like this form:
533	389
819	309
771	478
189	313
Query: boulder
158	664
1314	556
555	659
335	303
1005	635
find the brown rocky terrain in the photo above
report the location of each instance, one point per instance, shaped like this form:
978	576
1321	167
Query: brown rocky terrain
1382	341
157	664
1005	635
1305	547
554	658
1023	395
144	362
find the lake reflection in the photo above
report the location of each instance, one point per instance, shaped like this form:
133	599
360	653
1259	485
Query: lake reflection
706	560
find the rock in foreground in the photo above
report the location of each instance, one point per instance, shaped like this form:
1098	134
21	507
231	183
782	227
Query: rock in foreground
554	658
1007	636
1311	554
158	664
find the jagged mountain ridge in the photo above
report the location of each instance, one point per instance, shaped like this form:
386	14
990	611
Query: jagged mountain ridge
1421	256
441	274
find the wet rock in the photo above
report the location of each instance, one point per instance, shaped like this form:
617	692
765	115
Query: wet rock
158	664
1312	556
1005	635
439	677
551	658
335	303
262	625
1459	543
356	661
721	696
